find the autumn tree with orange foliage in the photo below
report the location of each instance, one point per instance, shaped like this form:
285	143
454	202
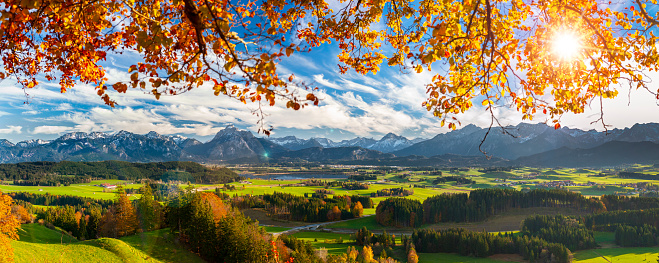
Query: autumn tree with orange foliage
498	53
120	220
334	214
21	214
220	233
9	225
358	209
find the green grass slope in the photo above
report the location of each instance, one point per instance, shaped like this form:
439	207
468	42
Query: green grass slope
40	244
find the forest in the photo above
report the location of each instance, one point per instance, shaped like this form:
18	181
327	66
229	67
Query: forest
201	220
312	209
65	172
483	244
483	203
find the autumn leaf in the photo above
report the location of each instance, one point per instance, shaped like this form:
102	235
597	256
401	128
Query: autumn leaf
482	48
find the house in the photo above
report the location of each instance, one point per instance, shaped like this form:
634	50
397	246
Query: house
108	186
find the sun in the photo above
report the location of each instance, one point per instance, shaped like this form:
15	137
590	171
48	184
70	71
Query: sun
566	45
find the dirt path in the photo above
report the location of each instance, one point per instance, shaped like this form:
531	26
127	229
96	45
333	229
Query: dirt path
601	256
314	227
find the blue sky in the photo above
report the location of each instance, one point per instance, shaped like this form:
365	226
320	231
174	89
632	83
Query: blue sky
351	105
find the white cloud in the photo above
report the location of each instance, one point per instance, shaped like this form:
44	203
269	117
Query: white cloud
47	129
139	121
11	129
31	112
63	107
344	85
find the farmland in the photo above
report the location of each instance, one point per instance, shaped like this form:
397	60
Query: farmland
91	190
335	238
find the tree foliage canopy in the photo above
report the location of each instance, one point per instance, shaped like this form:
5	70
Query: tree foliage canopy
489	52
9	225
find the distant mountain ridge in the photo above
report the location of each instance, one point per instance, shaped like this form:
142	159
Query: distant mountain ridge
532	144
388	143
529	139
609	154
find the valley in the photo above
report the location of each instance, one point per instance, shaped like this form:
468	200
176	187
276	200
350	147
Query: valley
330	238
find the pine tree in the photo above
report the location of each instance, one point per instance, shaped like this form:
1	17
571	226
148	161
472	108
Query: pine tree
148	210
383	255
82	229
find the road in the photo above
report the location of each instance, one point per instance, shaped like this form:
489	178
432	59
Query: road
314	227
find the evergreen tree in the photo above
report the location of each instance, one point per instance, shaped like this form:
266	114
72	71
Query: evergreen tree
82	229
148	210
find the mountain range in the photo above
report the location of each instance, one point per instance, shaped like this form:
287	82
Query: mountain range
523	144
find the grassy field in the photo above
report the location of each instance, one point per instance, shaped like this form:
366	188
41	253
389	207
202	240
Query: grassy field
85	190
275	229
326	240
633	254
604	238
160	246
368	222
40	244
483	180
452	258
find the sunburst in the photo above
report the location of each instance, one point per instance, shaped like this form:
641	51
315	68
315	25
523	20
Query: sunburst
566	45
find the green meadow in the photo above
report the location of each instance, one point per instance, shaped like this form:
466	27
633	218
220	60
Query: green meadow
84	190
40	244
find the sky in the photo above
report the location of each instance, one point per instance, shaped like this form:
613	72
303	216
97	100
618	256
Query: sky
351	105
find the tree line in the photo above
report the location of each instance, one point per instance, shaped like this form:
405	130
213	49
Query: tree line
559	229
48	199
617	202
67	172
399	212
608	221
457	179
363	177
121	218
393	192
298	208
636	236
483	244
480	204
642	176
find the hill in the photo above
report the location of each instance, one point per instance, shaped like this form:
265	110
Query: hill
610	154
527	139
40	244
